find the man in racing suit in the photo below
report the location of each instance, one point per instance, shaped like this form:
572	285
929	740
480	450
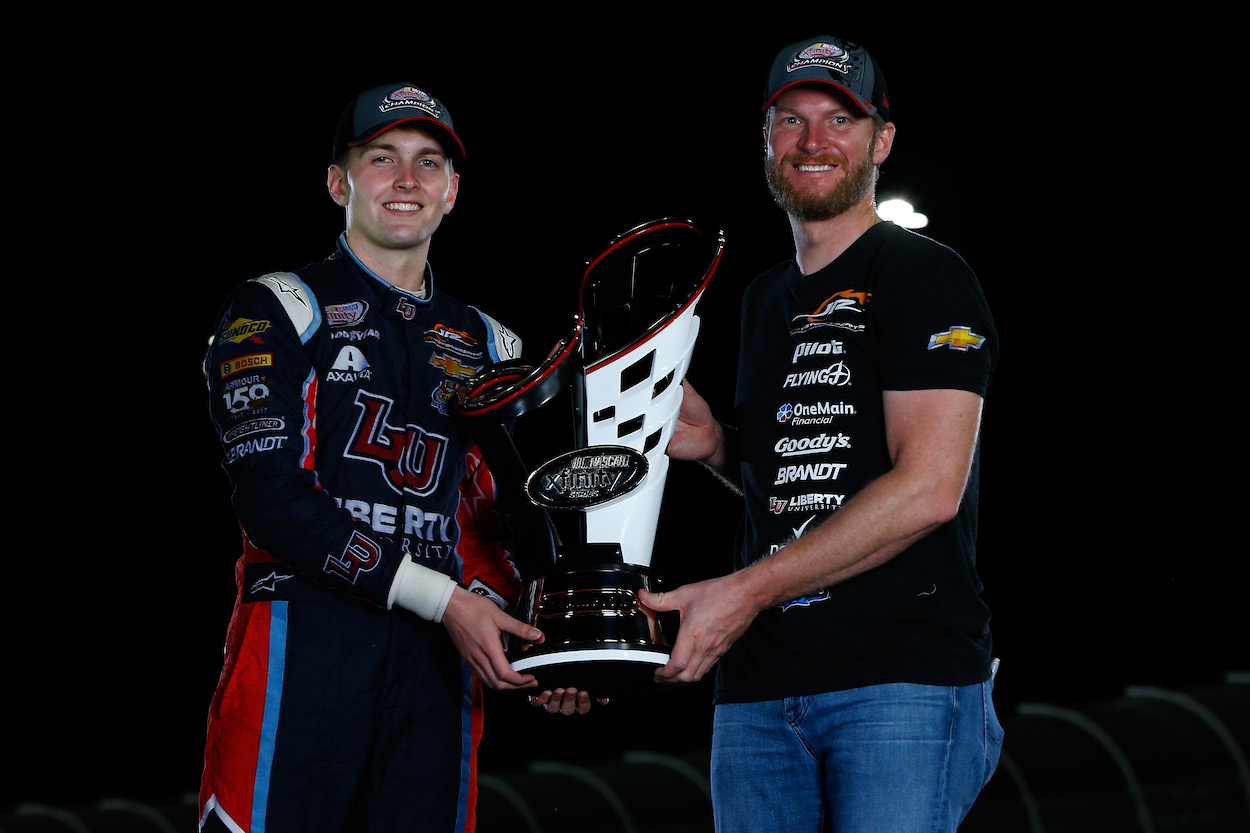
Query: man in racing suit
373	579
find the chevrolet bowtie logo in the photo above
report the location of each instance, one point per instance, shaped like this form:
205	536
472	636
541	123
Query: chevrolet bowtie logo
957	338
452	366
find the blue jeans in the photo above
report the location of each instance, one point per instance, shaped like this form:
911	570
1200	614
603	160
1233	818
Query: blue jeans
897	758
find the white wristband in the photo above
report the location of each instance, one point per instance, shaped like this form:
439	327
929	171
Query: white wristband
424	591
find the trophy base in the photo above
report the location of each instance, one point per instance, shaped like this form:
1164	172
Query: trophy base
598	637
602	672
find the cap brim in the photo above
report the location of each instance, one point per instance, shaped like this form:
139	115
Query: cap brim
452	145
867	108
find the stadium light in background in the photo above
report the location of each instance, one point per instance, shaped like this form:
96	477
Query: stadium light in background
901	212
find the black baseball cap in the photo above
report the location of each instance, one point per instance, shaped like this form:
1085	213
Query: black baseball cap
829	60
376	110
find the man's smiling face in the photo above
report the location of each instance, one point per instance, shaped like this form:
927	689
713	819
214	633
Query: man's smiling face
395	189
822	154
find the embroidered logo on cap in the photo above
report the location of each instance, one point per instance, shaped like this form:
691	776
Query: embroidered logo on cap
821	54
411	97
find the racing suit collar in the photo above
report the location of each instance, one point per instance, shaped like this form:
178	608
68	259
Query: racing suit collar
427	284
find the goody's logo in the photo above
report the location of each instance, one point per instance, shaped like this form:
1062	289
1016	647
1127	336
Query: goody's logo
819	444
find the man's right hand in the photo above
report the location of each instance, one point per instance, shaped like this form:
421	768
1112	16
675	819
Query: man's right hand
697	435
476	625
714	614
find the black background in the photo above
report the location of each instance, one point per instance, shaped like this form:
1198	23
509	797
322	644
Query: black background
1060	164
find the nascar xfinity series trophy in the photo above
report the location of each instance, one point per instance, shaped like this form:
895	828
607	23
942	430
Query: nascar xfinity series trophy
576	444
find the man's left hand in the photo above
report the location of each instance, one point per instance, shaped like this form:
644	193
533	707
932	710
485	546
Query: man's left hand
565	701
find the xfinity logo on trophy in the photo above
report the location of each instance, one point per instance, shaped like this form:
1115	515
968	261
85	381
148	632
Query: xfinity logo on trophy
586	477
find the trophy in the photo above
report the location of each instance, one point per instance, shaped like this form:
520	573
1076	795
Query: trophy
577	446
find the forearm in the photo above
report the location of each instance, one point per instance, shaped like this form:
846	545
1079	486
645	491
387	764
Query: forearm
883	520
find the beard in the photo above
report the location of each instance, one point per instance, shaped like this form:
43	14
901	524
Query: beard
807	206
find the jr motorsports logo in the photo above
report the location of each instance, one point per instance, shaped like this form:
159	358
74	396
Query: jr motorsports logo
840	309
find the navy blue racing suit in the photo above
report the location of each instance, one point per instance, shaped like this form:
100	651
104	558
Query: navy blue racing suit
332	394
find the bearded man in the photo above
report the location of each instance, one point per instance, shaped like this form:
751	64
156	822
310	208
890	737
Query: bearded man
853	691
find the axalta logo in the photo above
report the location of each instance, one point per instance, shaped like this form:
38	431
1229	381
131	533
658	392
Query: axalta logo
837	374
350	366
957	338
832	312
819	444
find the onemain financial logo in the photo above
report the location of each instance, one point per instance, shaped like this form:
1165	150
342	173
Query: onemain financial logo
817	413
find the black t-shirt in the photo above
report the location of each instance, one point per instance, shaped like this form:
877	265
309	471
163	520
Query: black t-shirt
896	311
